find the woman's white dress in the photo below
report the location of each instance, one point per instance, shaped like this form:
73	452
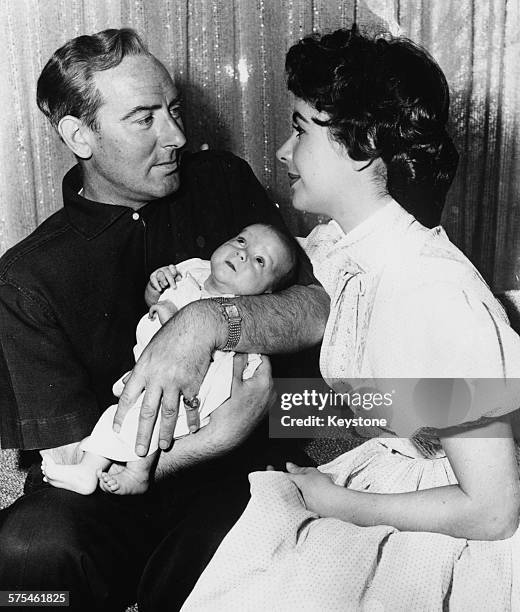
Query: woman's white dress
405	302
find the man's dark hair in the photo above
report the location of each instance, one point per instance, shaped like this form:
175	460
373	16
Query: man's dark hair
66	86
386	98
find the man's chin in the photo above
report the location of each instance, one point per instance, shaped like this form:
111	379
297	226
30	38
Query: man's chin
170	184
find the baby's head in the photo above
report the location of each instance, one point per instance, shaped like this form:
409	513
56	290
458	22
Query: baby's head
261	259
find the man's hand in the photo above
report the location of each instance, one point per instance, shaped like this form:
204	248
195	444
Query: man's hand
178	356
230	423
174	363
250	400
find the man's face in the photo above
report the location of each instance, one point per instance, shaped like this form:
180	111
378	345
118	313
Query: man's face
250	263
139	133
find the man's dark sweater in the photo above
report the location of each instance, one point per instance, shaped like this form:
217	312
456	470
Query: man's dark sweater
71	293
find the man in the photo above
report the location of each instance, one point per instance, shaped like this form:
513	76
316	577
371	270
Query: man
70	296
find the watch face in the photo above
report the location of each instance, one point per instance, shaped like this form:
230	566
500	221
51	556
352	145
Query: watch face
232	311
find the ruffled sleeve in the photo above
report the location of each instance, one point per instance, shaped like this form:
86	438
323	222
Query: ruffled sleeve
451	359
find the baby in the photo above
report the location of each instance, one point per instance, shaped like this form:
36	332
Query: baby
261	259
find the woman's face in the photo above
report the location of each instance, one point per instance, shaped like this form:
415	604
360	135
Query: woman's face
320	170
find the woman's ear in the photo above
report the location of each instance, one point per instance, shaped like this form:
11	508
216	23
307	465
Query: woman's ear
73	133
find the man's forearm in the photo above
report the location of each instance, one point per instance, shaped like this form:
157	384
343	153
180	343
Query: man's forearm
178	356
283	322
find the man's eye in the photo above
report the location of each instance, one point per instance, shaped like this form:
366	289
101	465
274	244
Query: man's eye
260	260
175	112
146	121
241	240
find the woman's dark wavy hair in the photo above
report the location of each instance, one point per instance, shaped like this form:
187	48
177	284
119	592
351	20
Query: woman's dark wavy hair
388	98
66	85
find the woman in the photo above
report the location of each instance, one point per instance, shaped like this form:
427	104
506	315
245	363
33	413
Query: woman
422	518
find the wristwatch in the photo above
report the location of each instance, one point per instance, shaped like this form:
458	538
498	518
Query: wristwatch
234	321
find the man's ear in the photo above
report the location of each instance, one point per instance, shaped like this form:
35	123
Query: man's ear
74	134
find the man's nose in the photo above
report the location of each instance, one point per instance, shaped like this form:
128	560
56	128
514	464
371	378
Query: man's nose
284	153
173	133
241	254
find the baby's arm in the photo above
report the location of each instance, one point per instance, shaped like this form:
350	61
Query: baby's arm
160	279
164	310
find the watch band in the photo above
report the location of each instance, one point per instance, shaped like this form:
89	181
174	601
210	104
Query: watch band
234	321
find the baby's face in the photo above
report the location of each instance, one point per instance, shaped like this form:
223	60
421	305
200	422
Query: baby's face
250	263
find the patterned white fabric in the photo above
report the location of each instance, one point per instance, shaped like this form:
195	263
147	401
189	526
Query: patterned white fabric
388	279
406	303
215	388
283	558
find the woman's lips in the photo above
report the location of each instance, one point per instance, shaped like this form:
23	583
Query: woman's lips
293	178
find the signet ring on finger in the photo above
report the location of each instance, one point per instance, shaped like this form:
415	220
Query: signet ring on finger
192	404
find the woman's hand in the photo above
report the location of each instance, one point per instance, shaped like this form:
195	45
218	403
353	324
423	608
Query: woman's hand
484	505
316	488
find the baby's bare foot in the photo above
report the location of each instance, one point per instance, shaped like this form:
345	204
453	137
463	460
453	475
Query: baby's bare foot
132	479
69	454
79	478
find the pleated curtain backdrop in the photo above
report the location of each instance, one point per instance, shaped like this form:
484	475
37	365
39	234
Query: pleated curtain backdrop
228	58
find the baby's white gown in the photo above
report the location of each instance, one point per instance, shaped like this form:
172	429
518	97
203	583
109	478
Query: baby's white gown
214	391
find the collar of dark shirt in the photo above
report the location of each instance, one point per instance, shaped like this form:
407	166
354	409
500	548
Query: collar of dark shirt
92	218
